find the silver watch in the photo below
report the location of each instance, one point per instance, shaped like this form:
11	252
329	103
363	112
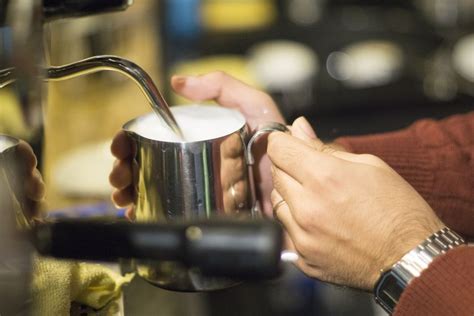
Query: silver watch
391	284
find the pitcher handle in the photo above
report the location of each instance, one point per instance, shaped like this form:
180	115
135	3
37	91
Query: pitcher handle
263	129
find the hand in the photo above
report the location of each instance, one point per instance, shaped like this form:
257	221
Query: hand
255	105
33	185
121	176
233	175
348	216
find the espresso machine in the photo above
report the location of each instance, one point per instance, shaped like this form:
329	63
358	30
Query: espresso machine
252	249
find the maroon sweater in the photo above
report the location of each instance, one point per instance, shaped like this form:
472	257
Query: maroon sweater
437	159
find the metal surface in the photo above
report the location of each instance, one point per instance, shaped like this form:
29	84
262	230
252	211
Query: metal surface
14	247
413	263
21	47
112	63
190	181
389	287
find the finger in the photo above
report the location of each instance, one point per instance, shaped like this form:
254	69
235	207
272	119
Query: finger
122	146
232	147
121	175
303	130
282	213
277	201
292	192
310	270
299	160
366	159
27	155
123	197
301	263
288	244
33	210
130	213
34	186
218	86
289	189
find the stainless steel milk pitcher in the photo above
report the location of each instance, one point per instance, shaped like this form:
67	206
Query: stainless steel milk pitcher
182	180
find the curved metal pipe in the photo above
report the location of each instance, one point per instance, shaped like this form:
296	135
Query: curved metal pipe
6	77
112	63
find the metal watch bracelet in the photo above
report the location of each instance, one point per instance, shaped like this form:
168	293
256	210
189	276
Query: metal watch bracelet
391	284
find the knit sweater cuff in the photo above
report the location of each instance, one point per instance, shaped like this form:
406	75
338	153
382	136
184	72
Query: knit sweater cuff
402	151
446	287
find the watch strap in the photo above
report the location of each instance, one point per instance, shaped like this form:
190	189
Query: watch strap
391	284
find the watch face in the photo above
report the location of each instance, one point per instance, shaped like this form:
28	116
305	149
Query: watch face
388	291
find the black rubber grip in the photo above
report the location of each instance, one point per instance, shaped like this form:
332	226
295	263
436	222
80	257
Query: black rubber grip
56	9
225	248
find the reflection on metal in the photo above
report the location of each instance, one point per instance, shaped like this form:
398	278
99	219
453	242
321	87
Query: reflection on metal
23	50
20	47
191	181
112	63
14	247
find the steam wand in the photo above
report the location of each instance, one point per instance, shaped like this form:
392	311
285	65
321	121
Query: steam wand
112	63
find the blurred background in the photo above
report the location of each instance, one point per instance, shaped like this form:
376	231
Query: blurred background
351	67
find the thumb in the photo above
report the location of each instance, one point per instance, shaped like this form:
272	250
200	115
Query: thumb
301	129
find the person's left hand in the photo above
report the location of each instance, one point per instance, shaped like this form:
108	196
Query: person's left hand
257	108
348	216
33	185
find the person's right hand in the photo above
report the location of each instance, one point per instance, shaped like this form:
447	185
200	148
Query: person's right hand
348	216
257	107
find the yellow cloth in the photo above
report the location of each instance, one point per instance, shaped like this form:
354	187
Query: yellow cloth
57	283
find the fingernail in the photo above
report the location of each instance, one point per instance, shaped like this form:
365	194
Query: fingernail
305	127
130	214
179	80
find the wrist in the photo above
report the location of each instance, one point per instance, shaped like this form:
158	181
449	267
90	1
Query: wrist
404	241
392	282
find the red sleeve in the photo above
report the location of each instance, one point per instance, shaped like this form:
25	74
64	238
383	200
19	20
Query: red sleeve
446	287
437	159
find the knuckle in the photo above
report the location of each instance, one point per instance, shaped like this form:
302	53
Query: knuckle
304	218
278	185
372	159
326	149
304	246
218	75
264	97
322	175
306	269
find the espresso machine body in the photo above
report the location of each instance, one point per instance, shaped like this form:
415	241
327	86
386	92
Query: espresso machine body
256	245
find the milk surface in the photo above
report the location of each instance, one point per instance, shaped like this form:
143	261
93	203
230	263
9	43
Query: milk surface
197	122
4	144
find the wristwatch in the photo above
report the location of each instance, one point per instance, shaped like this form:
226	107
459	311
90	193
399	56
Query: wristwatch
391	283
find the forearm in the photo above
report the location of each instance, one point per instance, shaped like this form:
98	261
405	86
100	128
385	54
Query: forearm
437	159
